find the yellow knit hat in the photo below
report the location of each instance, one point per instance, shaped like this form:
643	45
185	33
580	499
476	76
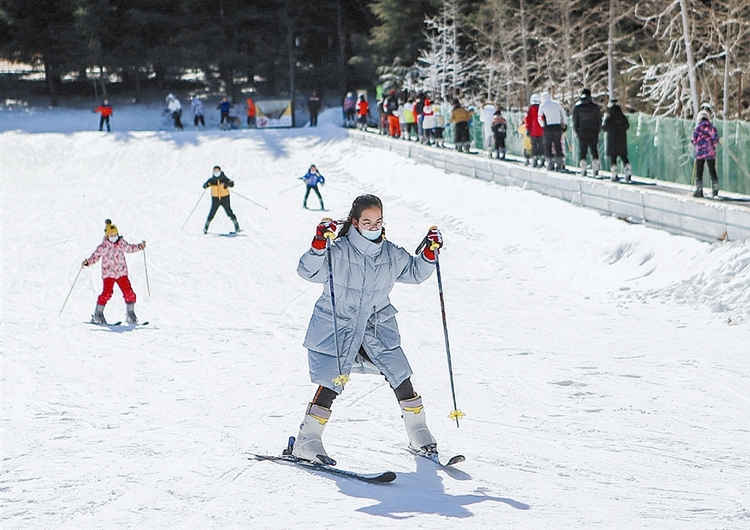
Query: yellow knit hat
110	229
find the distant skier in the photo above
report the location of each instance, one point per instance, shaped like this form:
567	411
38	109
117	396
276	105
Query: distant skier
460	118
175	109
312	178
363	111
250	112
616	126
553	118
350	110
499	129
114	270
535	131
220	184
196	106
486	117
365	268
106	111
313	107
223	107
705	139
587	122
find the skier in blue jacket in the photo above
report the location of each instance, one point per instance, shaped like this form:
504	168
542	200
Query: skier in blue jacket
312	178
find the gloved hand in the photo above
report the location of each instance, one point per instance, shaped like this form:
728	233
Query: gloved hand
85	263
434	242
205	186
142	245
326	228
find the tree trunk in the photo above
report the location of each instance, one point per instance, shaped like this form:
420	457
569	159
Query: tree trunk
739	95
137	74
524	45
342	47
691	62
50	77
103	82
610	53
727	60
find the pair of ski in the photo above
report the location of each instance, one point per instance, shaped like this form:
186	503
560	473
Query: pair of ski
329	465
119	324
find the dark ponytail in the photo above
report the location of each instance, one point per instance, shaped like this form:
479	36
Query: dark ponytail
360	204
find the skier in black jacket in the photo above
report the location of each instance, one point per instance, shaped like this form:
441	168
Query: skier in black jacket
616	126
220	184
587	119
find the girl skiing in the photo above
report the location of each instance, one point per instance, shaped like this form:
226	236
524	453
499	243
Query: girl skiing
114	270
365	268
312	178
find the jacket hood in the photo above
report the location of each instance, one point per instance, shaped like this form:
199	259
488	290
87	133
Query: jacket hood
545	97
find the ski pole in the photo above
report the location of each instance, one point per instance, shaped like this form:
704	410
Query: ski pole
250	200
455	413
194	207
342	379
71	290
288	189
145	268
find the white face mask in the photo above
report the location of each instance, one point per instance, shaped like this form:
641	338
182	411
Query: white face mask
372	235
217	173
113	239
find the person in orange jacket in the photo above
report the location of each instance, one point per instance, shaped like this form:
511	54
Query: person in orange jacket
363	111
106	110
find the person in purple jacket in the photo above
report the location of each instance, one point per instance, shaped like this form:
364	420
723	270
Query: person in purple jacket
705	140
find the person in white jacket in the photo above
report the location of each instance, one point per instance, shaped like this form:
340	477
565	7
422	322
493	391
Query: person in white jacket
553	119
175	110
485	116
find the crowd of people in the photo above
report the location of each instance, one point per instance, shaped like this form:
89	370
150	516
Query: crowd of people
418	118
422	119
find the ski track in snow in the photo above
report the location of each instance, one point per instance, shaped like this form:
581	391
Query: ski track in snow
603	367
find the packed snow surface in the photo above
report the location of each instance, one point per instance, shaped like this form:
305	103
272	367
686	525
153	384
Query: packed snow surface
603	367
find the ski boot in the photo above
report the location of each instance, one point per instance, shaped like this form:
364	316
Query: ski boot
98	316
130	317
714	187
628	173
237	226
205	228
614	177
420	437
698	188
309	443
595	167
584	168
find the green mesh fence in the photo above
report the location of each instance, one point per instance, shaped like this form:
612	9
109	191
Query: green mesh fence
658	148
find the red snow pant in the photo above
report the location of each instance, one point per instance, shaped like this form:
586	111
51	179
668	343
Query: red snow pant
109	287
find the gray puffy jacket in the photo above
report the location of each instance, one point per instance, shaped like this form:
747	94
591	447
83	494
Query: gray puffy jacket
364	274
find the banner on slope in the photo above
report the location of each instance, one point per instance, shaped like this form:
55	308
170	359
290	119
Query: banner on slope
273	113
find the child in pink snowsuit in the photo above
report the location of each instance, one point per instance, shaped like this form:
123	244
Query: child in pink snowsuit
114	270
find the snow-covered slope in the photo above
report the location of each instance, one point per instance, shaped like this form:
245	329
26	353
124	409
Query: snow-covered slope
603	367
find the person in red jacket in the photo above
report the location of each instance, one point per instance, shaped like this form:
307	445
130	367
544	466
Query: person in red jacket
114	270
535	131
363	110
250	112
106	111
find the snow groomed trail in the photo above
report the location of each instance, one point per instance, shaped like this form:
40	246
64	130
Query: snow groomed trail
603	367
